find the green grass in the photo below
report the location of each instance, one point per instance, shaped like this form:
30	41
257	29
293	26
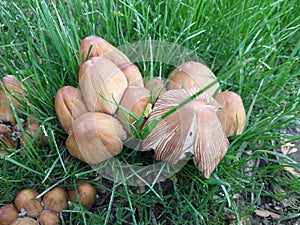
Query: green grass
253	47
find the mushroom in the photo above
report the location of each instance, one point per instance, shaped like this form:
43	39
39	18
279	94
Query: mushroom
193	74
33	133
86	194
6	140
49	217
192	128
8	214
94	46
232	115
102	85
26	199
133	75
158	87
56	199
13	93
96	137
69	105
25	221
134	100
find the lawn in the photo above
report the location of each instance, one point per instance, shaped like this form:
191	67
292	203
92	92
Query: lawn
253	48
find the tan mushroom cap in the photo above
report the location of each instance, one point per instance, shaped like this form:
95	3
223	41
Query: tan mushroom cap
194	128
6	140
15	92
135	100
8	214
96	137
100	47
133	75
158	87
101	83
87	194
69	105
232	115
193	75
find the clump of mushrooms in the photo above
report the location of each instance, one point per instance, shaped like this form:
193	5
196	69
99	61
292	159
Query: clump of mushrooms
201	126
100	114
96	114
29	208
12	91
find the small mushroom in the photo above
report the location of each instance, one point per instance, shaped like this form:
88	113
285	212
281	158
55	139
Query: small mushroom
15	91
8	214
94	46
232	115
49	217
69	105
96	137
193	128
56	199
25	221
133	75
103	85
6	140
193	74
158	87
86	194
33	133
135	100
26	199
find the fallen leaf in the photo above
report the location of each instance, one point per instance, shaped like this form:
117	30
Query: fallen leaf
266	213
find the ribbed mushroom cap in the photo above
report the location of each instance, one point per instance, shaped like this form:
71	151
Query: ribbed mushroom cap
192	75
193	128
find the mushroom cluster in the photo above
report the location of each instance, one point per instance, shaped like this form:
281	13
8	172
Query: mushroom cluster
99	113
192	116
28	209
12	92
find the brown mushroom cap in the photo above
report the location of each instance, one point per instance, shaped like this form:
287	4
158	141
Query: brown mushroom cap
86	194
8	214
25	221
26	199
193	128
33	132
100	47
49	217
96	137
158	87
193	75
5	138
102	82
69	105
135	100
232	115
56	199
133	75
15	92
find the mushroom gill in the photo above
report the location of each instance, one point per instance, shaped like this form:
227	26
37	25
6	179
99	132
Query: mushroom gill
193	128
